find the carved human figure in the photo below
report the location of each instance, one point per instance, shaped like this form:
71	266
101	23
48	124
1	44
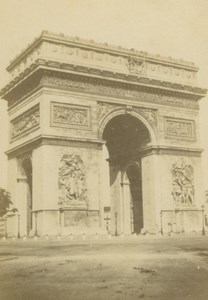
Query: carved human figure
72	181
70	115
75	189
72	192
183	188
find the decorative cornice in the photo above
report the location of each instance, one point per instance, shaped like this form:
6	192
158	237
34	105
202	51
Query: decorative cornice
170	150
143	92
101	47
64	69
78	143
56	141
28	146
101	61
20	88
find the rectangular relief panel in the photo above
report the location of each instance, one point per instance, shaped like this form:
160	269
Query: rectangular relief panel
69	115
181	129
25	123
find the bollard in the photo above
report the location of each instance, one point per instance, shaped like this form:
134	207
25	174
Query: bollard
116	225
161	224
18	226
5	228
36	224
203	229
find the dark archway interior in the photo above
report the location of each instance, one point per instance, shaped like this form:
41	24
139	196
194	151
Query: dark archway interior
134	175
27	167
124	136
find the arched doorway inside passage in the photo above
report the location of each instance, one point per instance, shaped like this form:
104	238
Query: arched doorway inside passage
125	135
132	200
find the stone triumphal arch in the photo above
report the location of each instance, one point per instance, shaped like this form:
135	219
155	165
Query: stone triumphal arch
102	140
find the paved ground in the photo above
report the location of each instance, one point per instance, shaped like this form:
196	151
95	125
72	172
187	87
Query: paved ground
160	269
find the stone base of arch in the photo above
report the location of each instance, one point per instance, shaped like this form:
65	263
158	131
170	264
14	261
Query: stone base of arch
104	211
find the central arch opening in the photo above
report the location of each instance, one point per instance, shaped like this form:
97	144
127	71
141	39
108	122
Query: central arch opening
125	136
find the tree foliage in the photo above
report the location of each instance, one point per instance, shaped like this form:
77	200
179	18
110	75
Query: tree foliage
5	201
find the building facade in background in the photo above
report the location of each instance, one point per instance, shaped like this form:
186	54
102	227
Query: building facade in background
102	140
3	143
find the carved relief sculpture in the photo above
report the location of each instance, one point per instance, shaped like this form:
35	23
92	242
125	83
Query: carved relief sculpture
179	129
104	108
149	114
25	122
72	181
70	115
116	91
137	67
183	183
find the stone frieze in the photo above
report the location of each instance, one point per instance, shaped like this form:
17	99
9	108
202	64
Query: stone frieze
118	91
70	115
179	129
26	122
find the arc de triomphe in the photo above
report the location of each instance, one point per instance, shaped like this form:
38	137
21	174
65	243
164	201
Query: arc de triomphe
102	139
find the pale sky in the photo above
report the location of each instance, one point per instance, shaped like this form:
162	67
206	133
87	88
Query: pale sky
177	28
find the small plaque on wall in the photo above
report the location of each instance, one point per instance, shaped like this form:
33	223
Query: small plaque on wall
68	115
75	218
179	129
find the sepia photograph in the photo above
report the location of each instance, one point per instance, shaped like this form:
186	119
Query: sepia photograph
103	150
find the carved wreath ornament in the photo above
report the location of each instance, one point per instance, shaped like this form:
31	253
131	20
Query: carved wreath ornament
72	180
183	187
